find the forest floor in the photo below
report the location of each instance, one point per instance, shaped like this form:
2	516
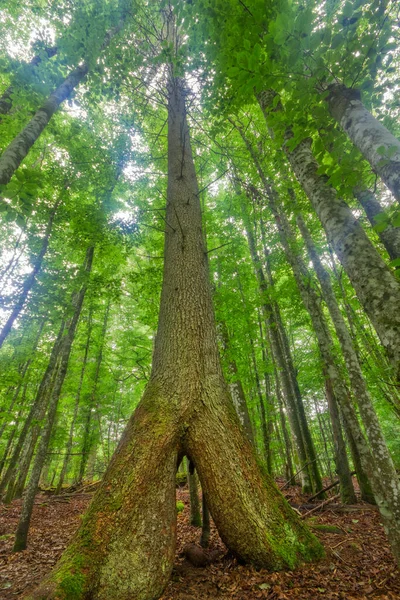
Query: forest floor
358	563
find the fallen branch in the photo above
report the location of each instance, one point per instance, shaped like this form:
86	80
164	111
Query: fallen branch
319	506
299	471
329	487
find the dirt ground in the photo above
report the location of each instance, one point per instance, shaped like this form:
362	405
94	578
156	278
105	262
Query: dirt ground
358	562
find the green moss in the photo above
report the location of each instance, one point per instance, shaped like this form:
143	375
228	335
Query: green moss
179	506
325	528
69	577
72	586
181	479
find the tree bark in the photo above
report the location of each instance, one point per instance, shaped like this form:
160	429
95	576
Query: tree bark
40	401
375	142
390	236
30	280
75	414
377	288
16	151
368	414
125	545
6	96
31	489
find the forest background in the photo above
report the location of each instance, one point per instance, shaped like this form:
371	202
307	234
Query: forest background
307	313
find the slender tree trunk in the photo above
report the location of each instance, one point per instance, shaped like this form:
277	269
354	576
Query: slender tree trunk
390	236
375	142
88	433
378	463
39	402
75	413
31	489
236	388
281	362
347	493
370	419
205	528
377	288
30	280
195	516
15	153
6	96
125	545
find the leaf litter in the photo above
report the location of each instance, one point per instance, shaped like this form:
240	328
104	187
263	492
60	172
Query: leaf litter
358	563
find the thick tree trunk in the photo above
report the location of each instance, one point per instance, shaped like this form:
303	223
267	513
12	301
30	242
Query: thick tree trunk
390	236
377	288
125	545
31	489
30	280
15	153
375	142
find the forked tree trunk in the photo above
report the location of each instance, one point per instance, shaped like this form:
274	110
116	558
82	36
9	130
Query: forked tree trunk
125	546
375	142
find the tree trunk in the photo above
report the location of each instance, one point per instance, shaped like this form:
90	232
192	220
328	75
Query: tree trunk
75	414
125	545
195	516
347	493
40	401
15	153
31	489
281	361
375	142
390	236
377	288
30	280
364	401
236	388
88	433
6	97
205	528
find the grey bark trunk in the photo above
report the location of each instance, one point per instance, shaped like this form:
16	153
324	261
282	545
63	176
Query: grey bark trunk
377	288
35	410
16	151
375	142
31	489
6	99
75	413
30	280
390	236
